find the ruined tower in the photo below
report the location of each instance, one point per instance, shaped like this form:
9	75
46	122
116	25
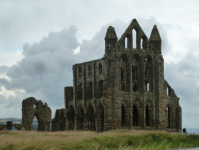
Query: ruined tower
124	89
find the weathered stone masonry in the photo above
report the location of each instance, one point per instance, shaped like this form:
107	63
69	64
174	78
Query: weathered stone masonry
32	107
124	89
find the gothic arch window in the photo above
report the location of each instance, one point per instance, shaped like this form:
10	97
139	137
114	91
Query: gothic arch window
147	87
91	118
100	88
123	115
126	42
81	118
89	70
135	115
168	91
134	87
100	68
80	71
135	74
147	115
71	118
100	114
141	43
79	92
134	37
89	91
124	71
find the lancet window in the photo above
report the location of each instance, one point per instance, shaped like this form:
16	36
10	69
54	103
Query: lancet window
80	71
79	92
135	74
89	70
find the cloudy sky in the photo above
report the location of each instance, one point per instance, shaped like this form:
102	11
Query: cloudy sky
40	41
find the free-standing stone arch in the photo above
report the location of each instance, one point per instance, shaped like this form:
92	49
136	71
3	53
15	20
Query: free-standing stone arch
32	107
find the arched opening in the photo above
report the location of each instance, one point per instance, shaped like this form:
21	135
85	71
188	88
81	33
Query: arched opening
135	115
62	123
91	118
167	91
90	91
147	87
79	92
100	68
135	73
126	42
100	88
134	87
141	43
134	69
80	71
168	116
123	115
134	38
124	73
81	118
71	118
147	115
90	70
35	123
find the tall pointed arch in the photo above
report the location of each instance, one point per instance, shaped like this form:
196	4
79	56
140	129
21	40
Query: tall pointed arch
124	71
91	118
135	62
80	116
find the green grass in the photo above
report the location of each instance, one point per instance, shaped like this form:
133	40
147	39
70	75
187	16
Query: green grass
77	140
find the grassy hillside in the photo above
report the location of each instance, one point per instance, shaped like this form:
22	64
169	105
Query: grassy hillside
75	140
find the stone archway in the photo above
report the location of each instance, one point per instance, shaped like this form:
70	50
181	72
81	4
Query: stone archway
135	115
32	107
100	124
123	115
71	118
91	118
80	118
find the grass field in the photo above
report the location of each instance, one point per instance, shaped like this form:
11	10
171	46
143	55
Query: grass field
114	139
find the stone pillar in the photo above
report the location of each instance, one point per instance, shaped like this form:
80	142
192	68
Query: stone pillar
9	125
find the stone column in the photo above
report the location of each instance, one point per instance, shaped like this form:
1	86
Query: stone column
9	125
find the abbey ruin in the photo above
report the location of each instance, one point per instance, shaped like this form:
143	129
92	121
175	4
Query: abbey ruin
124	89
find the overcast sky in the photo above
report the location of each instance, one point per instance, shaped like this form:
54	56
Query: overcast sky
40	40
